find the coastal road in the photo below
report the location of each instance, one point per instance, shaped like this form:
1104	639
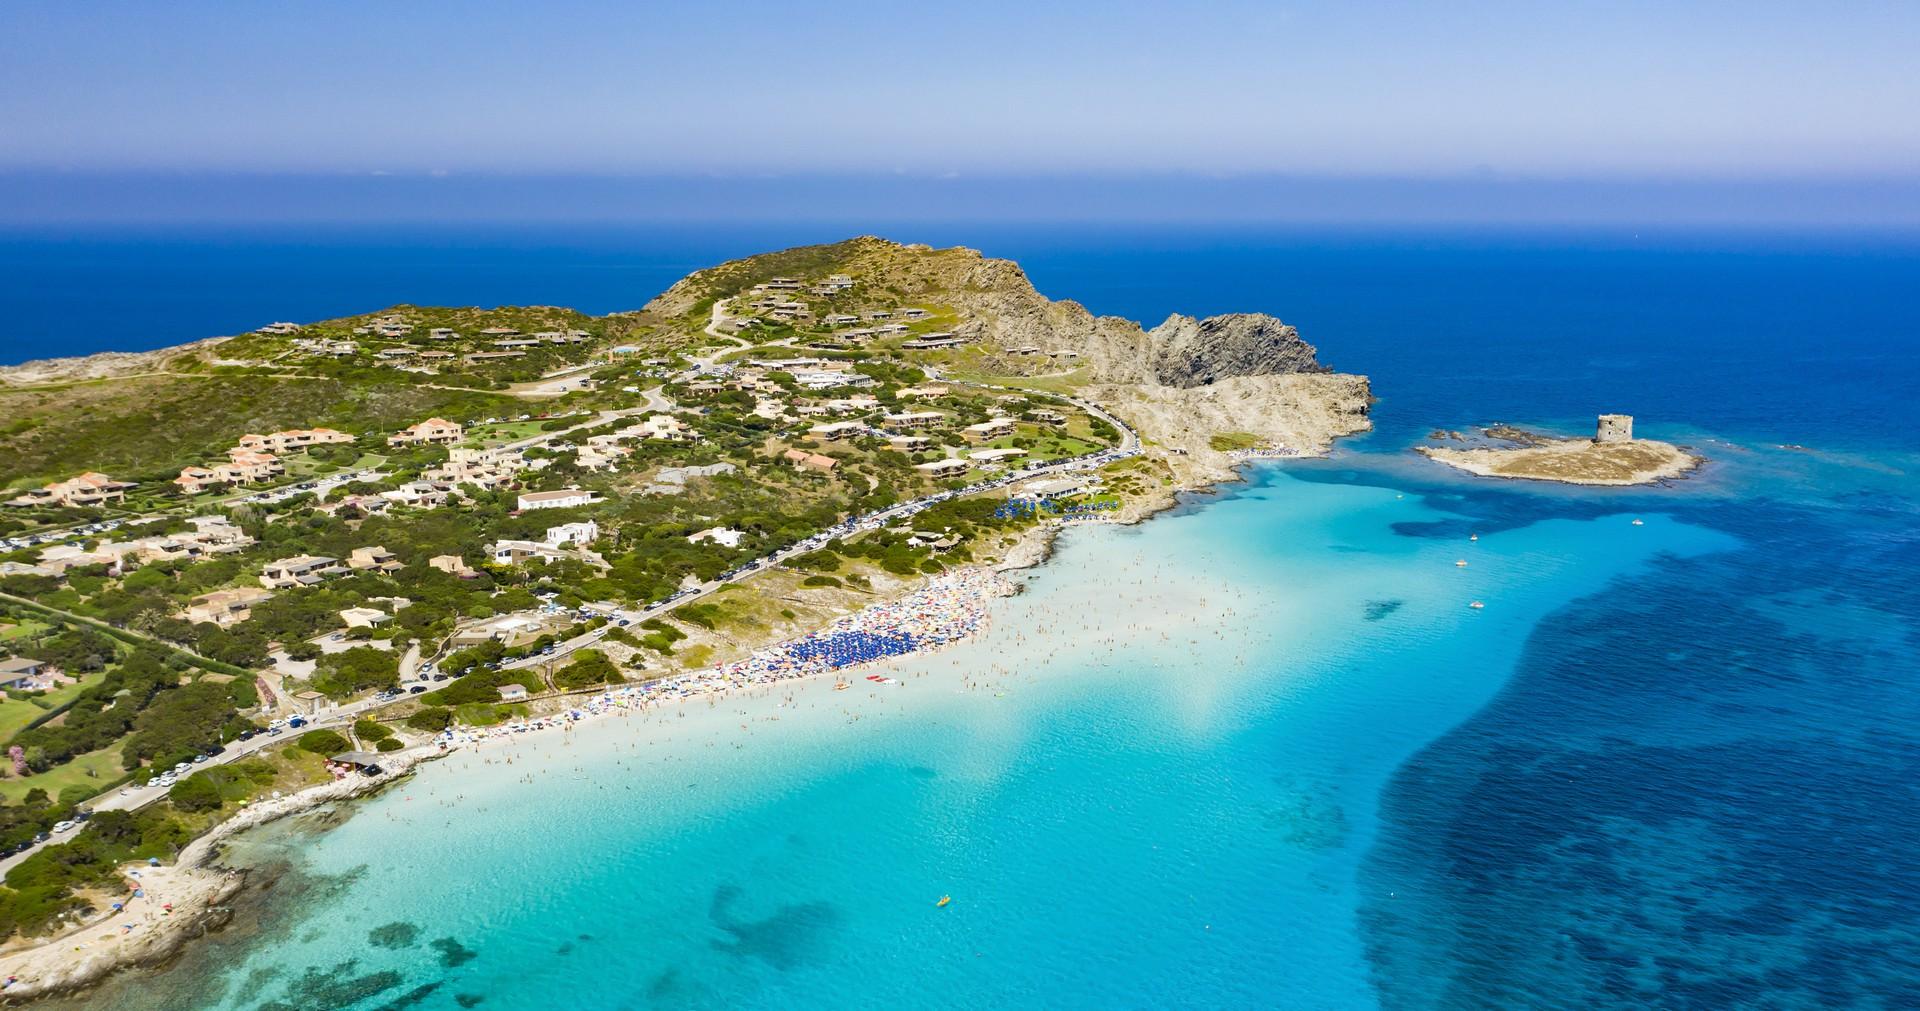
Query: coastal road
131	797
1129	446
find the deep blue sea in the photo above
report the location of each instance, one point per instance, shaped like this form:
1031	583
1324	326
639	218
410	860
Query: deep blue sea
1257	752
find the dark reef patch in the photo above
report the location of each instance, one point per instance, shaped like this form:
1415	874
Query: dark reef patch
412	997
452	952
344	985
1378	609
1698	791
785	940
398	934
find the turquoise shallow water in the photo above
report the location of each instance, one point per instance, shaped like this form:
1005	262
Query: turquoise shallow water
1257	753
1151	783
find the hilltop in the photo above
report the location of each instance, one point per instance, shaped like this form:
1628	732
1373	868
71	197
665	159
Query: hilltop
1188	379
425	520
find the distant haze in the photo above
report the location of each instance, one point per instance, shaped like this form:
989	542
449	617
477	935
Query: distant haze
1187	100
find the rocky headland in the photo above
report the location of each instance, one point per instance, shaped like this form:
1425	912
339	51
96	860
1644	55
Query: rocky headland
1613	458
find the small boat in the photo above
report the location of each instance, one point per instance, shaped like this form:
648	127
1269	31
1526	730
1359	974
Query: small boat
873	677
1461	564
1639	522
1476	605
1473	537
942	904
889	681
841	685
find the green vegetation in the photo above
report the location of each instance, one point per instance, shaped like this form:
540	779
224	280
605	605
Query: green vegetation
323	742
1227	442
589	668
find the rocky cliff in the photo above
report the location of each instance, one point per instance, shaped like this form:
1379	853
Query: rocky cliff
1002	311
1187	352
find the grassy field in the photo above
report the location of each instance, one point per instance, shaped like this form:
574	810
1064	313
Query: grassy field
93	770
16	713
495	435
21	629
146	428
1227	442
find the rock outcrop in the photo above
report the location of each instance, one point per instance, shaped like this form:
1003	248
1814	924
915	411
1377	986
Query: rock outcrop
1187	352
1023	331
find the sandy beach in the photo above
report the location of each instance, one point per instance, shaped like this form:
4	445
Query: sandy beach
186	899
167	905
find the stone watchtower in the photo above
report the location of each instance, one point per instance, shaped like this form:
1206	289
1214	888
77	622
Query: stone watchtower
1615	428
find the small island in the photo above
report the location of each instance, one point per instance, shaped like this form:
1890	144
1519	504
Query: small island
1612	457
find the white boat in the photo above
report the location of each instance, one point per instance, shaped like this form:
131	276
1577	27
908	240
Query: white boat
1476	605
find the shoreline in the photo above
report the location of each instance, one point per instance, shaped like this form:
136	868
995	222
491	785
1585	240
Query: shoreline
199	889
1675	463
179	902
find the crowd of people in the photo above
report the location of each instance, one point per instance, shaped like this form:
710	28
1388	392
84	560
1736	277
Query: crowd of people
948	608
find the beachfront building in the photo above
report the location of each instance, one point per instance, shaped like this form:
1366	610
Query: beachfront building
243	466
914	420
854	404
950	467
987	431
373	558
89	489
300	570
996	455
293	439
602	452
225	607
364	617
433	431
418	494
582	533
932	341
663	428
453	565
1046	417
726	537
837	430
909	443
563	498
803	460
1052	488
482	468
925	391
518	552
25	674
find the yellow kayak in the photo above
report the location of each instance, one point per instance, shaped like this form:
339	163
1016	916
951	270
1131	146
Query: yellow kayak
944	899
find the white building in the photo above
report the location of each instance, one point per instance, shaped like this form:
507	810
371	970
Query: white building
563	498
582	533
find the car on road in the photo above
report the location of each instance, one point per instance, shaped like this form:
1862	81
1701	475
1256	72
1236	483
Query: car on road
64	826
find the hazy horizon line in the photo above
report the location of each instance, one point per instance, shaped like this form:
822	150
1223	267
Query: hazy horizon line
82	197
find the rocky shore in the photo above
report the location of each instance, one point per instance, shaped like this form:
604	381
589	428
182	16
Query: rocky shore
179	902
1530	456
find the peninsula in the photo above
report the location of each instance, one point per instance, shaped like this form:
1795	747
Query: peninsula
1613	457
275	568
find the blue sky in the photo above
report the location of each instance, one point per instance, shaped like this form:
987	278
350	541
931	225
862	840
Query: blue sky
1607	93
